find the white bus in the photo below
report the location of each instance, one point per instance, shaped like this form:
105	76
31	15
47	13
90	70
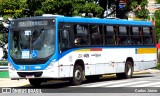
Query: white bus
57	47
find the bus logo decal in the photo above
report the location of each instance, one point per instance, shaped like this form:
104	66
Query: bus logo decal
96	55
79	55
37	67
22	68
86	55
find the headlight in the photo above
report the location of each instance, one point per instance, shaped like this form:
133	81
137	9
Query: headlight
10	66
50	66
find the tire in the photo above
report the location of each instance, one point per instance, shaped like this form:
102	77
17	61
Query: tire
35	82
78	76
128	71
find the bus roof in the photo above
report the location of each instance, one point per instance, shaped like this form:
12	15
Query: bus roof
91	20
103	21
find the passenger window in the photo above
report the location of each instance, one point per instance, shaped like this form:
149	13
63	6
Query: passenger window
65	39
81	34
110	35
147	36
95	35
136	35
123	37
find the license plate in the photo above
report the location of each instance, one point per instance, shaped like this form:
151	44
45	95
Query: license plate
30	76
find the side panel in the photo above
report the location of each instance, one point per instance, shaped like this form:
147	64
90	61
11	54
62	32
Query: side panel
106	61
149	57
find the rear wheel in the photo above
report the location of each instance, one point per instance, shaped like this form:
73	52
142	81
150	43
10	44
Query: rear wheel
128	71
77	75
35	82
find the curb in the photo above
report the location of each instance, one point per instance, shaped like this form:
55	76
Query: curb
149	71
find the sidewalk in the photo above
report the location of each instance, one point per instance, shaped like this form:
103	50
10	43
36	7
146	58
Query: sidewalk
148	71
7	82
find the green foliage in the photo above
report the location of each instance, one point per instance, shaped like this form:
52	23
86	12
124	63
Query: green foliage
139	7
92	8
78	7
3	62
12	8
158	1
71	7
143	14
157	22
56	7
26	8
157	14
34	7
158	66
132	5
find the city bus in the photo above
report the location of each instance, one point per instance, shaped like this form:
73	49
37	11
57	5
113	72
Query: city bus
47	47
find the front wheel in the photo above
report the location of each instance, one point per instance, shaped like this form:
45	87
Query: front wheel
77	76
128	71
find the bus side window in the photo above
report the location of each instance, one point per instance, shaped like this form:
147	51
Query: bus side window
147	36
95	35
81	34
109	35
136	35
124	38
64	39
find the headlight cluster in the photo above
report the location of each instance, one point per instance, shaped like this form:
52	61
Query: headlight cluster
50	66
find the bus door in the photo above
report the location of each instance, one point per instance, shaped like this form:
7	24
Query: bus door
65	44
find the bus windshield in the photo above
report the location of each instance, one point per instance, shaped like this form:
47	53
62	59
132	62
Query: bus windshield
32	43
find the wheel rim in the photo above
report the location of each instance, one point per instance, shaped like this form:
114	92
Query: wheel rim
78	75
129	70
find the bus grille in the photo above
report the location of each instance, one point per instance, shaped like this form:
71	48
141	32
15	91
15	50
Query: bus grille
24	74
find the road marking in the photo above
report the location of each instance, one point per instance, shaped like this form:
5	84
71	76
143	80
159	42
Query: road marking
126	84
103	84
157	86
147	85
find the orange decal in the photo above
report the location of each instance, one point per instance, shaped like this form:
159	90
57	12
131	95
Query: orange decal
96	49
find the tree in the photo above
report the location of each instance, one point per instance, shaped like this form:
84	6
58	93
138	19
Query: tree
71	7
158	1
157	23
12	8
60	7
93	8
107	4
34	7
139	8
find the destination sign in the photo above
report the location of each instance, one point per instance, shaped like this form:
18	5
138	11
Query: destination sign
32	23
